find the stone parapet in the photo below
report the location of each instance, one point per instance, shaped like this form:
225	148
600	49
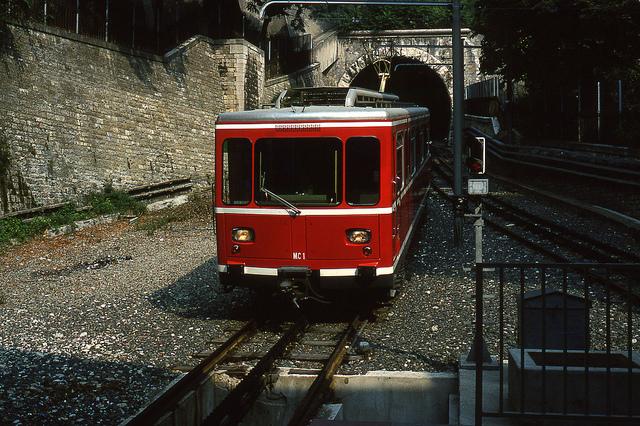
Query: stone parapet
77	114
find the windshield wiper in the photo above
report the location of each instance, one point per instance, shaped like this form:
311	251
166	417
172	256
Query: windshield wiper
291	209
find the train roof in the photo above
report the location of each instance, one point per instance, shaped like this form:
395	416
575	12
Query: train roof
321	113
329	104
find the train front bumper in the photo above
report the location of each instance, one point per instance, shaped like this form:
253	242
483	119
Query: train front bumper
343	278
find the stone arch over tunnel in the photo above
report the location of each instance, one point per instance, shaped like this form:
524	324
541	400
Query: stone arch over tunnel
423	81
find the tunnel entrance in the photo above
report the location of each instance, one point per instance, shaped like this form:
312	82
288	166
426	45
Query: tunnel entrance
414	82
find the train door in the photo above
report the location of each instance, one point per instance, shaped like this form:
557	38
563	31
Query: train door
245	234
398	183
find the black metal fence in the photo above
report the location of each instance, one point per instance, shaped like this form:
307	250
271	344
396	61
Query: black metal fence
566	345
591	112
157	26
153	26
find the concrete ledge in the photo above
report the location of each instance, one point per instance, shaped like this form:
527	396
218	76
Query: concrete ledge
382	396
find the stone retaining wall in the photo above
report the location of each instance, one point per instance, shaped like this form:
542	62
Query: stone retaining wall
76	114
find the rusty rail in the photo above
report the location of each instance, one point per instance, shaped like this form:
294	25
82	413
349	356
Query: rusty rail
166	402
317	393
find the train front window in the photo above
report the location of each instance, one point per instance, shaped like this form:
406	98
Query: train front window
236	171
303	171
362	171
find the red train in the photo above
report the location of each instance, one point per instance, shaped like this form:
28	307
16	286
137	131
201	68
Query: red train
311	195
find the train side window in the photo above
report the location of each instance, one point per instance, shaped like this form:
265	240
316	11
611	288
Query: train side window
399	179
414	158
420	146
236	171
363	171
406	147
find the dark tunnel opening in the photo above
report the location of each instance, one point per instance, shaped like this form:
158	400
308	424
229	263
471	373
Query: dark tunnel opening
417	83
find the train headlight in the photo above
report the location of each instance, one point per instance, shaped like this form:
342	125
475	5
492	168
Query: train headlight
242	235
359	236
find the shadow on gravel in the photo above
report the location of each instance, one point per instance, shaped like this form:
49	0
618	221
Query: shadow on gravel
45	388
198	295
434	364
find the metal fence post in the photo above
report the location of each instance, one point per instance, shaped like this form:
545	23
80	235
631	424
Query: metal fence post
478	344
106	20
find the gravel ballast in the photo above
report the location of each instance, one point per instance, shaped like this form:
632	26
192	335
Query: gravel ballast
92	322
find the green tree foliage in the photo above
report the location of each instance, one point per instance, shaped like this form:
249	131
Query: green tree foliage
355	17
562	41
376	18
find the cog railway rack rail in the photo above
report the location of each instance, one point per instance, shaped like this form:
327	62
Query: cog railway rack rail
189	400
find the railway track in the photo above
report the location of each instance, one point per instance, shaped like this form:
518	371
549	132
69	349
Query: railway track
146	193
591	206
557	242
582	244
189	400
522	156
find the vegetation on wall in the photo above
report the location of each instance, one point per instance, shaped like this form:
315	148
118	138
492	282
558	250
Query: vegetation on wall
109	201
5	157
346	18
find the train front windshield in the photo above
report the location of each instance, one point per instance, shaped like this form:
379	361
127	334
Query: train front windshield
302	171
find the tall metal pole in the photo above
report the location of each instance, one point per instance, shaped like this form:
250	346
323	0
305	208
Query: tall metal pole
579	112
458	115
619	104
599	109
458	83
619	97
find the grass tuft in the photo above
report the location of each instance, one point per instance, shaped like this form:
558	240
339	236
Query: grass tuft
14	230
110	201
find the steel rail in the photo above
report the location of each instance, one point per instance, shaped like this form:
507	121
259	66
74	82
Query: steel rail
563	169
571	167
169	399
317	393
236	404
619	287
582	244
602	213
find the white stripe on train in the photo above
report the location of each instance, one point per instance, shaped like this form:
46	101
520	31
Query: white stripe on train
342	272
314	124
